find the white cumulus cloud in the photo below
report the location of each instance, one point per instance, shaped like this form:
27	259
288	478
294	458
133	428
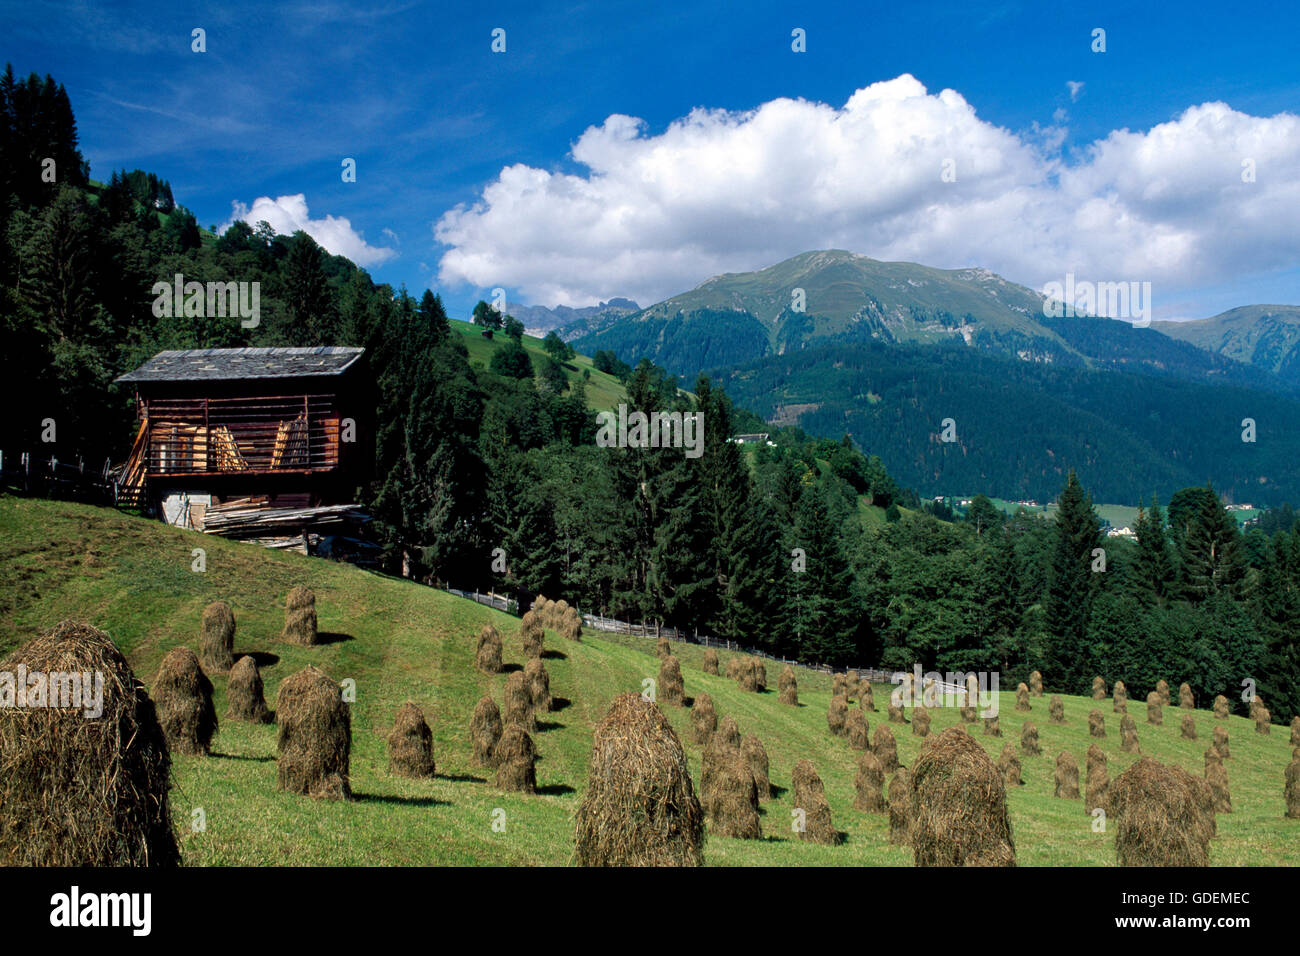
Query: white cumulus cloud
288	214
650	215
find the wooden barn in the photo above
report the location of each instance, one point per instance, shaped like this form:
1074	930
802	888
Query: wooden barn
257	443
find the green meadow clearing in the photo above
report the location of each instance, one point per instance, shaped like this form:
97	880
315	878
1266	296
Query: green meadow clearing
398	640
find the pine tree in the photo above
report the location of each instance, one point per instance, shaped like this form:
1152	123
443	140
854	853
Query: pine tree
1212	559
1153	576
1071	586
819	607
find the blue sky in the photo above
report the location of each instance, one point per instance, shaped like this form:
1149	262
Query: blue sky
432	116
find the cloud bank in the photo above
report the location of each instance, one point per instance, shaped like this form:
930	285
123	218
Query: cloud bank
288	214
718	191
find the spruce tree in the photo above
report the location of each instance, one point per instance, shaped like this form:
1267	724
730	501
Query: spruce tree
1071	586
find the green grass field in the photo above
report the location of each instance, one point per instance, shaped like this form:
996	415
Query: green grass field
398	640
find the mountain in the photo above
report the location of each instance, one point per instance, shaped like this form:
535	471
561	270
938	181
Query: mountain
849	298
539	319
1263	336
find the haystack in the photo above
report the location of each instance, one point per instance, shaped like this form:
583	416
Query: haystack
1155	709
672	689
1066	779
1216	775
1221	743
885	747
1204	794
992	728
754	754
1029	740
410	745
516	757
704	719
866	697
182	695
1221	708
519	703
1295	731
858	731
810	797
487	654
315	736
852	682
1098	689
900	808
722	747
733	668
532	636
921	721
570	624
1291	789
640	808
245	695
837	715
711	662
300	617
1121	697
217	638
1162	691
731	805
1035	684
1009	767
1022	698
748	675
788	685
959	806
1186	699
760	675
969	715
539	685
869	785
896	715
1056	711
1128	738
1159	823
839	685
1096	724
78	791
663	649
1263	721
1187	727
1096	781
485	732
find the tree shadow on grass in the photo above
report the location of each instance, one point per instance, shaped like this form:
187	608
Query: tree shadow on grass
398	801
545	725
555	655
556	789
263	659
332	637
461	778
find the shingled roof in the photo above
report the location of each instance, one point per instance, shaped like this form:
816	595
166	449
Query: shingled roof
194	365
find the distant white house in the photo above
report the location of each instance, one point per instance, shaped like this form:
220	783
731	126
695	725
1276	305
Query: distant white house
756	439
1124	532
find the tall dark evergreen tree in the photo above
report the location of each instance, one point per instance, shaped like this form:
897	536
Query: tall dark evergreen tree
1152	577
1070	589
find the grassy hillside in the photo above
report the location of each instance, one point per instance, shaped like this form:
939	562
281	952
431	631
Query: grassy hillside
1266	336
603	390
399	640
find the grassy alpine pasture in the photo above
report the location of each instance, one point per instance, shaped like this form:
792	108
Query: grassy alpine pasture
398	640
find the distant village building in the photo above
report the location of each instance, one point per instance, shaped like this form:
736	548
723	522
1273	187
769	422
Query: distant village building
267	444
756	439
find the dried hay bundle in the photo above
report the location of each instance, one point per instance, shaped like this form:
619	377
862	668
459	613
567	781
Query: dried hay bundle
866	697
959	806
747	675
640	808
519	703
1056	711
671	688
837	716
245	695
810	797
722	747
900	808
532	636
300	617
1159	820
410	745
1291	789
487	654
182	695
1097	781
839	685
485	732
991	727
1029	740
516	757
704	719
858	731
921	721
77	791
1263	722
754	754
1098	689
217	637
1096	724
1221	743
1216	775
896	715
1186	699
852	682
788	686
1162	691
1035	684
1187	727
885	747
711	662
570	624
663	649
1022	698
869	785
731	806
1066	779
1128	736
1121	698
1155	709
1295	731
1009	767
733	668
1207	823
539	685
315	736
969	715
1221	707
